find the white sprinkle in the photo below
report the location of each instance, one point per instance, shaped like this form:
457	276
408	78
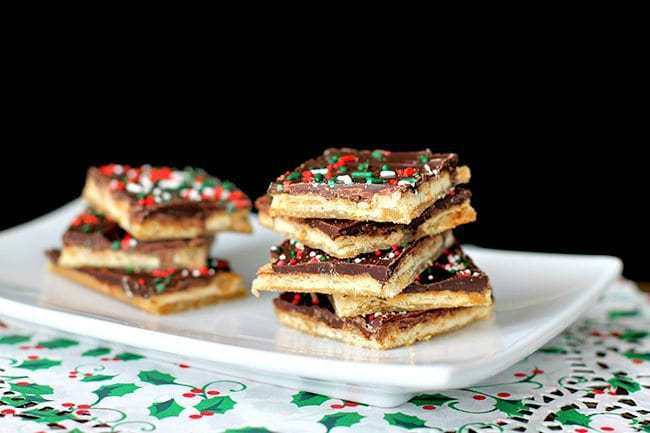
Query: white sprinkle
344	179
211	271
133	188
194	195
428	169
184	273
387	173
282	257
146	183
318	171
357	260
196	273
225	194
274	248
406	182
209	191
430	277
166	196
312	254
118	169
391	255
299	246
133	242
156	191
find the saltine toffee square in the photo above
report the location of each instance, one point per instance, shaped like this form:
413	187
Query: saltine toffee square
94	239
159	291
156	203
365	185
452	293
349	238
383	273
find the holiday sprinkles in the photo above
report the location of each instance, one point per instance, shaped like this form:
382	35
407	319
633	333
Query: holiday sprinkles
146	236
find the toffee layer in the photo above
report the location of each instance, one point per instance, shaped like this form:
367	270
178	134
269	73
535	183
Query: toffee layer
155	282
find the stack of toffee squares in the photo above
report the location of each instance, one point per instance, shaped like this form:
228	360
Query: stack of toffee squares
371	259
146	236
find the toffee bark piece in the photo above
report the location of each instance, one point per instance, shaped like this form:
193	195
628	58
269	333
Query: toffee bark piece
160	291
452	281
313	314
295	267
366	185
156	203
349	238
95	240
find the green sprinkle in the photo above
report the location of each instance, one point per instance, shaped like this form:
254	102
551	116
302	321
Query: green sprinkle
361	174
332	159
410	180
372	179
279	187
227	185
377	154
130	270
331	183
343	169
363	166
160	287
86	228
322	258
294	176
385	167
424	159
210	181
292	254
319	178
115	245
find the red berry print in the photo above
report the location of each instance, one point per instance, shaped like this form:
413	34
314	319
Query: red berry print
478	397
337	406
188	395
183	366
213	392
195	416
520	374
504	394
428	407
84	406
207	413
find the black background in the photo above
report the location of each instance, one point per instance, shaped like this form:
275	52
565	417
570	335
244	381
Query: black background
531	192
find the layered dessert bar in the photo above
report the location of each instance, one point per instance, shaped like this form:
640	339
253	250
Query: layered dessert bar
365	185
399	321
93	239
159	291
349	238
155	203
383	273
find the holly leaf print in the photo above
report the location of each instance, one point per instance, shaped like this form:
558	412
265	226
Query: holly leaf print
97	378
340	419
156	377
216	404
618	314
21	400
633	336
624	382
510	407
31	388
115	390
165	409
553	350
304	398
572	417
431	399
58	343
14	339
100	351
248	430
38	364
47	415
635	355
128	356
403	420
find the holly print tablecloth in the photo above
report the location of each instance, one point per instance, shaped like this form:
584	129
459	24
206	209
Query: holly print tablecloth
593	377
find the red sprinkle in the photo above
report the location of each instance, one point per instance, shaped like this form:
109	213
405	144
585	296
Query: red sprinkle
378	253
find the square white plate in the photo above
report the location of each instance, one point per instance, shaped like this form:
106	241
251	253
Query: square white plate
537	296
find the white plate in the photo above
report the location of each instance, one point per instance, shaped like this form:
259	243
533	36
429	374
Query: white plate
537	296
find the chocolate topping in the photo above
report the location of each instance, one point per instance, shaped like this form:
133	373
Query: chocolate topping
165	192
94	230
156	282
371	325
359	174
453	270
294	257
